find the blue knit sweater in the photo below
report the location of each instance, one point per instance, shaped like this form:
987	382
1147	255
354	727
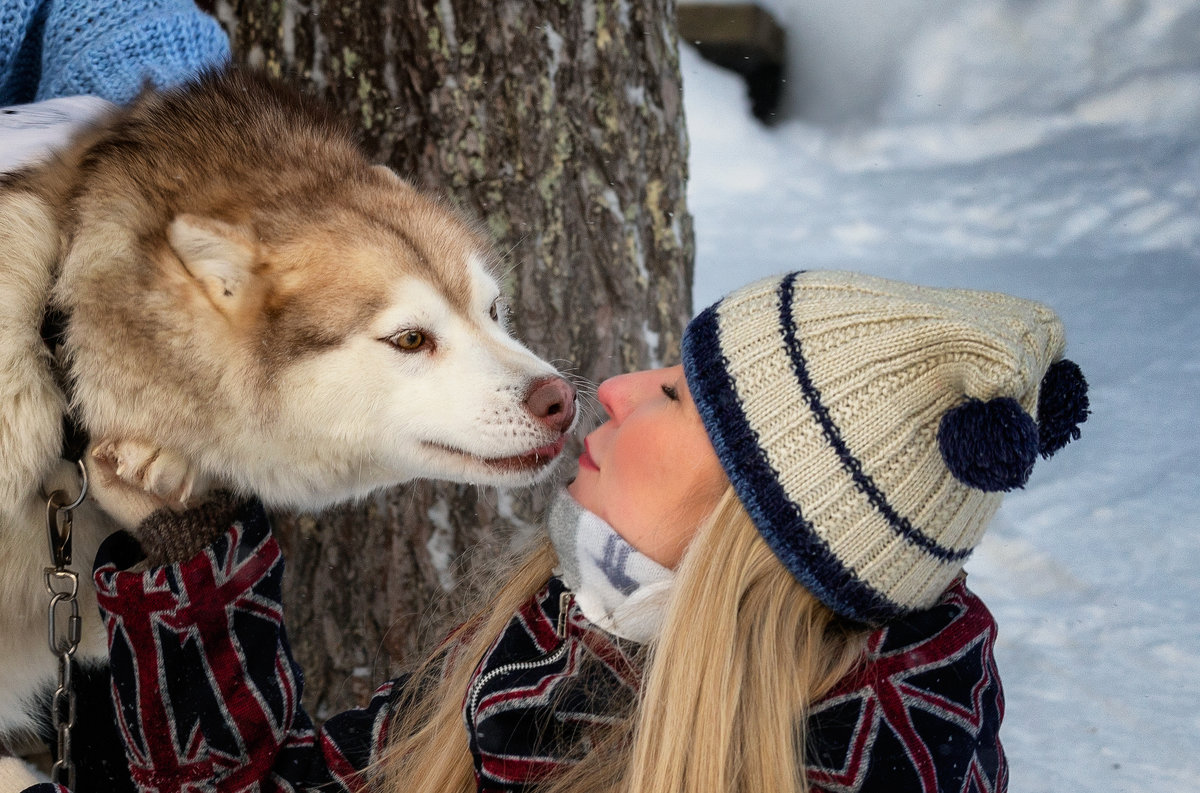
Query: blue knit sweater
105	48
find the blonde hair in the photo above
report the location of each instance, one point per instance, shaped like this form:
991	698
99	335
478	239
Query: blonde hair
428	751
743	652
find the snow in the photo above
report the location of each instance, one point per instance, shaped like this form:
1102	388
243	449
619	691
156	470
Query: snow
1051	150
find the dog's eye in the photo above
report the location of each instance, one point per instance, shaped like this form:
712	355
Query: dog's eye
410	340
494	311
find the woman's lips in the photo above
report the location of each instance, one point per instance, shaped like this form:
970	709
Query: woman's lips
585	459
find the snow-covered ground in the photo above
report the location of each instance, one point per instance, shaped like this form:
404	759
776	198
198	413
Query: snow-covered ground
1048	149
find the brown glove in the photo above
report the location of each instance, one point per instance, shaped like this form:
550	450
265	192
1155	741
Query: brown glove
171	535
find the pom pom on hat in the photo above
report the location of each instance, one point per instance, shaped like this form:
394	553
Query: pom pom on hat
990	446
1062	406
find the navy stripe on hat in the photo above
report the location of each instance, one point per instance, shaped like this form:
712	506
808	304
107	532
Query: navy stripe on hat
779	520
899	524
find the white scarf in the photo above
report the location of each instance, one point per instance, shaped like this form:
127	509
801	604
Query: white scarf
617	588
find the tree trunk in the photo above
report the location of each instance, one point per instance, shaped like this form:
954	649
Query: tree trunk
559	126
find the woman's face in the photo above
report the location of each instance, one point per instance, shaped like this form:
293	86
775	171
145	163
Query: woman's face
650	470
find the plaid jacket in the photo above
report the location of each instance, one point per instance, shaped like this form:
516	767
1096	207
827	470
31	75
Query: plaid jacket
207	695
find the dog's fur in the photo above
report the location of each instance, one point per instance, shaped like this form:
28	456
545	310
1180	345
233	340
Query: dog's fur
251	304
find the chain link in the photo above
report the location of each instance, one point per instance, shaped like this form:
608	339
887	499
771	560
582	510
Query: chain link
63	635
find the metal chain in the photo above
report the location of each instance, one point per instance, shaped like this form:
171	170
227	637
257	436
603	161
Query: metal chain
63	636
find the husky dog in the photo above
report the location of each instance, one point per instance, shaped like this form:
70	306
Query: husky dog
248	303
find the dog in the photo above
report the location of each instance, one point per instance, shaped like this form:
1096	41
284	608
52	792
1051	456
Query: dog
247	302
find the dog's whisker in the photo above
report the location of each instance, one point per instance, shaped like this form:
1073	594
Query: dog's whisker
505	256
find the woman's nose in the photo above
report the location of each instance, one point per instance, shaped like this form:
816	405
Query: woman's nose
620	394
606	395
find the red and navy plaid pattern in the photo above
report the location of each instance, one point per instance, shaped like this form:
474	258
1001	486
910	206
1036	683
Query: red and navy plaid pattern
206	693
205	690
924	715
543	684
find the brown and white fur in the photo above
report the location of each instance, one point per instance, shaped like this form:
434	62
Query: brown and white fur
251	304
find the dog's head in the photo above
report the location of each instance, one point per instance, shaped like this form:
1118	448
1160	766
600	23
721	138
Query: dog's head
375	346
302	325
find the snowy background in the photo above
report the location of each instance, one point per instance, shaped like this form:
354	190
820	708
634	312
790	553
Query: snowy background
1049	149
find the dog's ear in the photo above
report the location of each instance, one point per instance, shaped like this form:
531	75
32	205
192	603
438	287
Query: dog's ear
392	178
219	255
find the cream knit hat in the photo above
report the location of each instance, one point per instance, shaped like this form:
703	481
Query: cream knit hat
870	427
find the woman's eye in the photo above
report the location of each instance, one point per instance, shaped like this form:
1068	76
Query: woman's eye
410	340
671	392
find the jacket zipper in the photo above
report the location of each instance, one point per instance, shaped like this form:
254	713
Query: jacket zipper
558	652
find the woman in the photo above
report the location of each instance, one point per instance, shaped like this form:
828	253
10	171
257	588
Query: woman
754	583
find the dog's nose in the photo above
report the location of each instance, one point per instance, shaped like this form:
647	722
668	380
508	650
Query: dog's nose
551	401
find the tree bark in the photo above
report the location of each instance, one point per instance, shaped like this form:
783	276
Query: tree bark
557	125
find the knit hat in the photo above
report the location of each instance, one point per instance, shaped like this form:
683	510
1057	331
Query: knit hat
870	427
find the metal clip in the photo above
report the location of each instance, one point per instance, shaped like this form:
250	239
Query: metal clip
67	644
58	520
58	527
53	575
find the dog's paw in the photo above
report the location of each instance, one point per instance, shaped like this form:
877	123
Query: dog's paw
159	472
131	479
127	503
